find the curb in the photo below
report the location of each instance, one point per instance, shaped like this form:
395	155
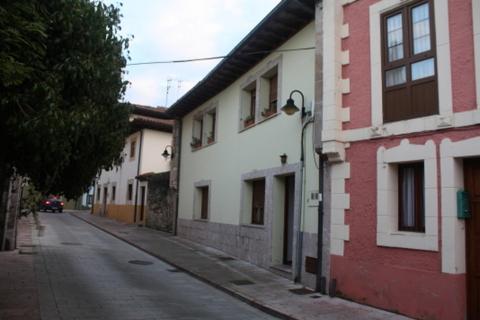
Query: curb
250	301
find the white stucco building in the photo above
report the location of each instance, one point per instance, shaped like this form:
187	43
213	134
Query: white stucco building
243	187
119	194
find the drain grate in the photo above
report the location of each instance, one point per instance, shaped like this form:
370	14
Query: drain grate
242	282
140	262
223	258
301	291
26	252
315	296
123	232
174	270
71	243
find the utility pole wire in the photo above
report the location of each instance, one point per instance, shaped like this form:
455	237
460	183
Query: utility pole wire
218	57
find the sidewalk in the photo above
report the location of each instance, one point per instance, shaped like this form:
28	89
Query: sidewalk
256	286
18	286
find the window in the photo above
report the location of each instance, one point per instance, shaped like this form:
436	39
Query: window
99	192
269	92
204	127
204	203
249	117
197	132
258	201
409	62
201	200
130	191
114	189
133	144
210	123
411	210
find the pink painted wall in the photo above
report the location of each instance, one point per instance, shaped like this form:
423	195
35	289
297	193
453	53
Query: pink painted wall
358	71
401	280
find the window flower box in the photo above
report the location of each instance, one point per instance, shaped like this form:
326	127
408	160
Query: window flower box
196	143
248	121
268	112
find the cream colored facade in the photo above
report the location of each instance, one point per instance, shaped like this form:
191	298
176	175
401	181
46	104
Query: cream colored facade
239	155
111	197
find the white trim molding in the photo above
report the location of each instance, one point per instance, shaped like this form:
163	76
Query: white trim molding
453	229
340	232
476	43
443	62
388	234
333	85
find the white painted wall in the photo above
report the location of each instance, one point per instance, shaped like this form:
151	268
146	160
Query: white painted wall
235	153
153	145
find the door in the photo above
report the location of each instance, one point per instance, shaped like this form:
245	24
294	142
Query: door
105	191
142	202
472	232
288	222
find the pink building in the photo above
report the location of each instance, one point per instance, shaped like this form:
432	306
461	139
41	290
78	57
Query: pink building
401	133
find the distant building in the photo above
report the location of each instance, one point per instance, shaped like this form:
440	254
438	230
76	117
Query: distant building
119	193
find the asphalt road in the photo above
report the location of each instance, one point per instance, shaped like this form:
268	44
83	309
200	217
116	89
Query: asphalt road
84	273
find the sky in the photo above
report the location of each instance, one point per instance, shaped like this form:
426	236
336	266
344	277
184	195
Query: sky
181	29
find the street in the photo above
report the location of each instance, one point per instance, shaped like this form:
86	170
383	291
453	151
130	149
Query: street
84	273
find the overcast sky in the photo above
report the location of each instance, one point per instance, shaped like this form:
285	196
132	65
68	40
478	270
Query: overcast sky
180	29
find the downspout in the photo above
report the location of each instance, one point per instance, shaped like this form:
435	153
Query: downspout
138	173
298	255
177	150
320	283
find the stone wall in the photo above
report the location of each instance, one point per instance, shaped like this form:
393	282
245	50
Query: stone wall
160	200
244	242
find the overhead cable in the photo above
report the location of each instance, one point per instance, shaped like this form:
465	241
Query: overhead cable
219	57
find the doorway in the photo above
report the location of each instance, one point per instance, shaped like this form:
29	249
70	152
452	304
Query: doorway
105	193
472	237
142	202
288	220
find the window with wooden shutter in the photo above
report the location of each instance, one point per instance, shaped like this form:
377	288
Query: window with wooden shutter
204	204
258	201
409	62
272	100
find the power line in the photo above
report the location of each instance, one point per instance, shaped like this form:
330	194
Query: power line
218	57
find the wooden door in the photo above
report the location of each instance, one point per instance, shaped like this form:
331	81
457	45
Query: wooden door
288	220
142	202
472	227
105	194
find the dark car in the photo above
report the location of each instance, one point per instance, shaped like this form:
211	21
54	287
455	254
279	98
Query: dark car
51	203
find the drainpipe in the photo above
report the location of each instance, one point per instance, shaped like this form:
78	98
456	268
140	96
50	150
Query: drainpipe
320	283
138	173
320	280
177	150
298	255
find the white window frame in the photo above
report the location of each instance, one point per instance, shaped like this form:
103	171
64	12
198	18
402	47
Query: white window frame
388	234
197	199
258	78
444	79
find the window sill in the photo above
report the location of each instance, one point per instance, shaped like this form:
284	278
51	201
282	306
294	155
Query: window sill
259	122
203	146
254	226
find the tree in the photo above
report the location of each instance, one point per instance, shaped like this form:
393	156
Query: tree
61	68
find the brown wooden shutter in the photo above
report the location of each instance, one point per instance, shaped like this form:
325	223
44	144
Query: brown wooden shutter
272	105
258	201
204	210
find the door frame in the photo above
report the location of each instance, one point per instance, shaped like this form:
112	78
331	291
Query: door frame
468	163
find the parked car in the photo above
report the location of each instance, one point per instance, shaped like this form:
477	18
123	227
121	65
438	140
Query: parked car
51	203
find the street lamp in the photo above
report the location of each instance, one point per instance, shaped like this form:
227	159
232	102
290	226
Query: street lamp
290	108
166	154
